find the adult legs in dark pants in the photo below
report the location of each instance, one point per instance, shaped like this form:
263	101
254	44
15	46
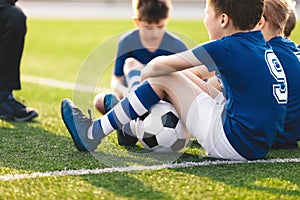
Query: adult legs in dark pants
12	35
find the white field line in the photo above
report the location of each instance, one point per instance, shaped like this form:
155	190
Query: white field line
10	177
62	84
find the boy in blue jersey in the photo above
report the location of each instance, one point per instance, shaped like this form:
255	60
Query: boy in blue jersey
233	127
150	39
136	48
275	16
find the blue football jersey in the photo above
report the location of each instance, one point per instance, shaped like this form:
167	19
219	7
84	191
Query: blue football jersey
289	56
130	45
255	89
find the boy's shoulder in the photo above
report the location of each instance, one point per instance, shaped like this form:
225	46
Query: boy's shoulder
134	33
255	39
171	35
131	34
286	43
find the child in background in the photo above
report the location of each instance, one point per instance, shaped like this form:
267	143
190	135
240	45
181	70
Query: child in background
136	48
273	25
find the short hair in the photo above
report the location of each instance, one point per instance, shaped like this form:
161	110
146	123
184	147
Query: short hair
276	12
245	14
151	11
290	24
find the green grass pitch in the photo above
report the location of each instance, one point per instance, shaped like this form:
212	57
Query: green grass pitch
71	51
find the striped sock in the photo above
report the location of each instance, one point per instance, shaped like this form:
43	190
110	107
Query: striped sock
133	79
129	108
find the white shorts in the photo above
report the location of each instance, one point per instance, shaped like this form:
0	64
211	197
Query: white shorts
204	122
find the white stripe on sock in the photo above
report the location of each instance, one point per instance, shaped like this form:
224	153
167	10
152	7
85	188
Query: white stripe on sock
136	104
121	115
133	80
106	125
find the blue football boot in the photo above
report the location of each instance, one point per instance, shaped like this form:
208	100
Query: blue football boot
78	125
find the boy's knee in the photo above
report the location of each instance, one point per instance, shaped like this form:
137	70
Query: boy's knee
131	64
99	102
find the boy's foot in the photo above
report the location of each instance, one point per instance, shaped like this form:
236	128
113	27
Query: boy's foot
110	100
127	136
124	139
78	125
12	109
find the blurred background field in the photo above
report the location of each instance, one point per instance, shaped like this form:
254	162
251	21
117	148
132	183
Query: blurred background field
102	9
53	26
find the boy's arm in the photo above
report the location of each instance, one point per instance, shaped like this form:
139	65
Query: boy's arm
164	65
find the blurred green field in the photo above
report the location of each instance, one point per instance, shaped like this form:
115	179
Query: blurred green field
64	45
64	50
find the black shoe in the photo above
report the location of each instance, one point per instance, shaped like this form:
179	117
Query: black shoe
126	136
11	109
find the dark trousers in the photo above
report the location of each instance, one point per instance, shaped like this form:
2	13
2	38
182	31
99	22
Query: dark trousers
12	35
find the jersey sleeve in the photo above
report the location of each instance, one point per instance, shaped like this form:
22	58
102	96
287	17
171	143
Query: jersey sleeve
213	54
180	46
173	44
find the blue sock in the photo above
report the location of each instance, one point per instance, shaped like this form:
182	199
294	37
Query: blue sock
127	129
129	108
133	79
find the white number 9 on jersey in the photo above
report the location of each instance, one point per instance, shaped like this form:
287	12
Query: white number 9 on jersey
280	91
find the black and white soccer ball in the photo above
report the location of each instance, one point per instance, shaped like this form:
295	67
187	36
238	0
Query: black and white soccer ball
161	130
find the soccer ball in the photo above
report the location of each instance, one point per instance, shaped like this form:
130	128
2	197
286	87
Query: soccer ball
161	130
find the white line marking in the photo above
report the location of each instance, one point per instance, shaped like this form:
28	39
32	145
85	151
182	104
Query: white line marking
10	177
62	84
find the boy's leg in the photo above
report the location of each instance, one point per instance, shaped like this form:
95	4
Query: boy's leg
179	89
104	103
132	72
132	75
170	83
87	134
